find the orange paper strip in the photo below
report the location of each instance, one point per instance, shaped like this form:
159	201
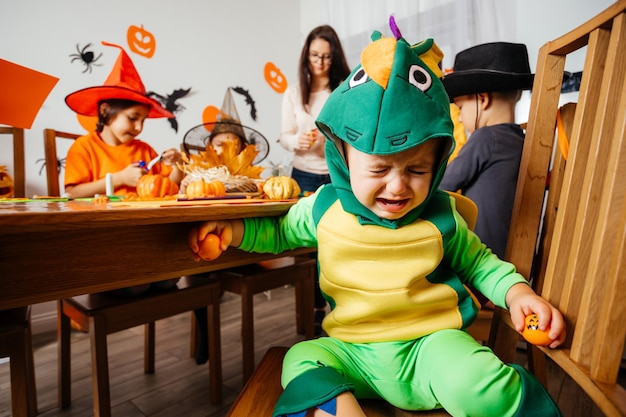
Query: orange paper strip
22	93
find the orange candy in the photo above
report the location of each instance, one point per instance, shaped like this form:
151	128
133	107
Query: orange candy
533	334
210	247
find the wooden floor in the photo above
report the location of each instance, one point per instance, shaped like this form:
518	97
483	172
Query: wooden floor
179	386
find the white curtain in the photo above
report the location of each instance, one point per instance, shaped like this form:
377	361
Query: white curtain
454	24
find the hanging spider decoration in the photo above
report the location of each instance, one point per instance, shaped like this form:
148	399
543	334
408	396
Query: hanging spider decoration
60	164
88	58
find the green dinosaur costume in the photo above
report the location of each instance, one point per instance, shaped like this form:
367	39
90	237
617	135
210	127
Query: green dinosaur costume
397	288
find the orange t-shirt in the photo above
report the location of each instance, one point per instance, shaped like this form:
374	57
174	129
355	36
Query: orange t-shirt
90	159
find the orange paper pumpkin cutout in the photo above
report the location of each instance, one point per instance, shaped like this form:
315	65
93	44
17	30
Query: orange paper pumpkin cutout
87	122
275	78
210	115
140	41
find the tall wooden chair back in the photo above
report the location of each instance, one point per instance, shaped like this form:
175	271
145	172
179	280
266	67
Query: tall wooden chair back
19	176
582	235
53	166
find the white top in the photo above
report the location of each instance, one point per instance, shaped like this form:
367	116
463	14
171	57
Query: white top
297	120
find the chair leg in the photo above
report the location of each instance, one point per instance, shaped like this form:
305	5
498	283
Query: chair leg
247	331
31	392
64	358
215	351
149	348
307	292
300	323
100	367
194	335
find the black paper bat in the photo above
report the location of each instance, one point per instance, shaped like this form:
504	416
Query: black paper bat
170	103
249	100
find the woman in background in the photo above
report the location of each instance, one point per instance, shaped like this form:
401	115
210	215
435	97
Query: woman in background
322	67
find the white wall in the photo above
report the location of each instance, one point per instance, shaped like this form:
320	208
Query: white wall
207	46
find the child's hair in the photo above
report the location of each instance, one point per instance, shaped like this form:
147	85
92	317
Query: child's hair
228	125
512	95
107	114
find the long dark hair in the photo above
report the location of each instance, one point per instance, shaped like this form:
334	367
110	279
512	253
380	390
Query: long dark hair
339	69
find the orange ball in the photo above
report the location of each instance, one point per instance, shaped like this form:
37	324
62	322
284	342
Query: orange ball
533	334
210	247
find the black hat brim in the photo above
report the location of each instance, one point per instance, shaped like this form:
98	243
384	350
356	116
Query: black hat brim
484	81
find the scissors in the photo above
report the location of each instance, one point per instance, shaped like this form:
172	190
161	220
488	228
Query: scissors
149	165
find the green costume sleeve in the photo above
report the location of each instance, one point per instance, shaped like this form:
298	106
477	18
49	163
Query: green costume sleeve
276	234
479	267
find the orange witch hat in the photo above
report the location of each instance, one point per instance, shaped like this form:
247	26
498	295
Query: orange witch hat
123	83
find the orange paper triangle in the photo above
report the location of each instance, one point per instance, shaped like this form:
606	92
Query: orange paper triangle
22	93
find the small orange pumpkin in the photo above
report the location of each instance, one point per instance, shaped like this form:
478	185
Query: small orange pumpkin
7	186
201	189
155	186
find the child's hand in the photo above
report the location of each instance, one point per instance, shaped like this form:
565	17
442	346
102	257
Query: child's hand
171	157
184	183
129	175
197	235
523	301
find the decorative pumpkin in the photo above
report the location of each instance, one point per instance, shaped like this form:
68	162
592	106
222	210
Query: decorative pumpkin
201	189
155	186
533	334
281	188
210	248
140	41
275	78
7	186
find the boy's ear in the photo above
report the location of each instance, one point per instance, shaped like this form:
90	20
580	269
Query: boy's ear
485	99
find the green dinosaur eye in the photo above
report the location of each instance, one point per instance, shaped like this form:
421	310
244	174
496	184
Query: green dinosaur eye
419	77
359	77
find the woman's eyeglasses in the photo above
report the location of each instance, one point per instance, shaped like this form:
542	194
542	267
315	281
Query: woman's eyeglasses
313	57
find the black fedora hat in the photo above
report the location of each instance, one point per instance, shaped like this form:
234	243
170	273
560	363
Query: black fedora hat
489	67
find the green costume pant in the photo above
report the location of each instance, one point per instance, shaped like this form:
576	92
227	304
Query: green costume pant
446	369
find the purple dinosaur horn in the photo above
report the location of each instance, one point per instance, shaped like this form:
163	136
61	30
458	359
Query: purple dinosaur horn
394	27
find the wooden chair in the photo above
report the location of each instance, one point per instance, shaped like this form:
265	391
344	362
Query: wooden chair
15	324
16	344
19	177
53	170
582	236
257	278
101	315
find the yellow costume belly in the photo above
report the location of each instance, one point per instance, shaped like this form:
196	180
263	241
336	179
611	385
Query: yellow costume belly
377	279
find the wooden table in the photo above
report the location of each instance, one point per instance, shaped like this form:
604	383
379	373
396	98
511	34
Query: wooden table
54	250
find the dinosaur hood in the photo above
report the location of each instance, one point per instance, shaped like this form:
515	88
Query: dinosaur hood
392	101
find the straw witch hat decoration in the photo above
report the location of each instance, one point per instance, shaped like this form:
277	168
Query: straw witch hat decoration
123	83
228	121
